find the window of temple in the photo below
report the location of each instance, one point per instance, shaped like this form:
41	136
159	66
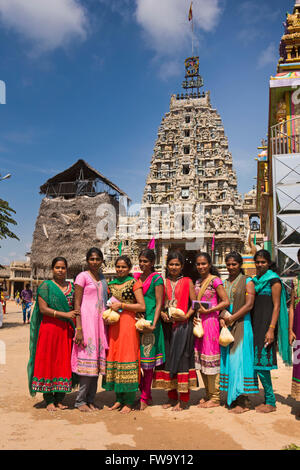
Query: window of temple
186	169
186	133
186	150
185	193
187	119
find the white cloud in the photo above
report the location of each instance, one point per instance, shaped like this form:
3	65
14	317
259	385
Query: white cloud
268	56
48	24
166	25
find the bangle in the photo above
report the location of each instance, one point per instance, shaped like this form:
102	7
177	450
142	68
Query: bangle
272	326
54	313
78	328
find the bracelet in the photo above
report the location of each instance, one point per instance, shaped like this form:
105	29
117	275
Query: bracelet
272	326
78	328
54	313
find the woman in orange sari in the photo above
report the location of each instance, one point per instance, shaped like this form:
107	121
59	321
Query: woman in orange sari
123	359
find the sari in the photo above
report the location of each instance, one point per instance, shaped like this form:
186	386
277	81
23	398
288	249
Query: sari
237	376
265	358
152	344
296	328
50	346
178	374
123	358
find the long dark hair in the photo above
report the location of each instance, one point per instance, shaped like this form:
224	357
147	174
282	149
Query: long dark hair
57	259
213	270
174	255
266	255
237	257
150	255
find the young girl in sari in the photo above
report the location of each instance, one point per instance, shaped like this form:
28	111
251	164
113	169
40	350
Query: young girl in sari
209	288
152	338
123	359
51	336
91	343
178	375
294	334
270	323
237	376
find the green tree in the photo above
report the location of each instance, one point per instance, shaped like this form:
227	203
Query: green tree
6	218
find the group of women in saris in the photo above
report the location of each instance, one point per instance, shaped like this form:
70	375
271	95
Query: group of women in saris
164	354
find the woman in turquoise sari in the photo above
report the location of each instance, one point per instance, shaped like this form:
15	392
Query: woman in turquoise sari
51	338
237	376
270	326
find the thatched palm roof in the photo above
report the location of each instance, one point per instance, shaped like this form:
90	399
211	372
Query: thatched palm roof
67	227
75	172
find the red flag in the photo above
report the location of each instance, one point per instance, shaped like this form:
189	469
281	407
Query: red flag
191	12
151	244
213	243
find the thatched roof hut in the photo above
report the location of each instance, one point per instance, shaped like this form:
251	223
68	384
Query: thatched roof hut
68	220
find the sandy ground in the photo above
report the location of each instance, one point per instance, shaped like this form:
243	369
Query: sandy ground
26	424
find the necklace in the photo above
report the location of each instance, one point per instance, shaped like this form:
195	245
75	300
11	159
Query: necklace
231	287
173	286
63	289
93	276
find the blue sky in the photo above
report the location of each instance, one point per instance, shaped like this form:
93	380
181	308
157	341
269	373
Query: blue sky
92	79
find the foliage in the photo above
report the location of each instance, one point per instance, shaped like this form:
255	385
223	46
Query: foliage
291	447
6	218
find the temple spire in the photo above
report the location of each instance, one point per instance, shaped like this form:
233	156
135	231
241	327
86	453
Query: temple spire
290	42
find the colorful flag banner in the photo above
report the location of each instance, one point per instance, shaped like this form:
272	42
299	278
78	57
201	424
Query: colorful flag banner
151	244
120	248
213	243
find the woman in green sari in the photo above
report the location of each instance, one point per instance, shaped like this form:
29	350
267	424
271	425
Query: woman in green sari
270	325
51	338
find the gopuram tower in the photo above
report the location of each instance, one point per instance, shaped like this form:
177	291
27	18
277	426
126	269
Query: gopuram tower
192	180
190	200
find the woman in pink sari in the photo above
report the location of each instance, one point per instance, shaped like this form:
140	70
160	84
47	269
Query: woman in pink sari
91	343
209	288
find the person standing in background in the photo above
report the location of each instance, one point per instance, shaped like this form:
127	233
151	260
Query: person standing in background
26	297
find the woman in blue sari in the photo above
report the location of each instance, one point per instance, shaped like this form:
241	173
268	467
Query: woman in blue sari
270	325
237	376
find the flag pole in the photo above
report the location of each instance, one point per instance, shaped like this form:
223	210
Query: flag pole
192	34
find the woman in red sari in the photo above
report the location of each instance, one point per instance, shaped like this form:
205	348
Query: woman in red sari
51	338
178	374
123	358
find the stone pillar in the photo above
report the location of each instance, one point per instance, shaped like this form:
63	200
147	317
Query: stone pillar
12	286
164	253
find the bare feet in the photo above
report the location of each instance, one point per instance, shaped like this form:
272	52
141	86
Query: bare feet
126	409
209	404
266	409
180	406
116	406
92	407
201	402
168	405
61	406
84	409
143	405
51	407
239	410
257	408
